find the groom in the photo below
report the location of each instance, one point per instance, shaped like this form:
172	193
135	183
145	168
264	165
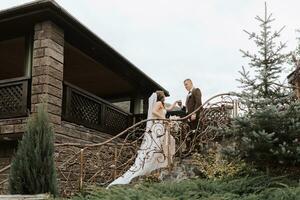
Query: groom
193	101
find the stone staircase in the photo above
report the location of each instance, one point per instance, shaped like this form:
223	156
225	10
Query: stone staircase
181	170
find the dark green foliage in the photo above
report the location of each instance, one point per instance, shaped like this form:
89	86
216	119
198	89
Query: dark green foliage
269	136
33	169
262	87
268	132
261	187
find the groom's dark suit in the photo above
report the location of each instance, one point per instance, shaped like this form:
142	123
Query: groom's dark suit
193	101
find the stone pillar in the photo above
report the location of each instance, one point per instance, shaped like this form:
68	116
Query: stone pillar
47	69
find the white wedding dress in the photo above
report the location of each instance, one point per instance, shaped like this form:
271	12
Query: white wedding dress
156	151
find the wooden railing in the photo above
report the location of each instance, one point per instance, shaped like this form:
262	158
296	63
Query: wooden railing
14	97
82	107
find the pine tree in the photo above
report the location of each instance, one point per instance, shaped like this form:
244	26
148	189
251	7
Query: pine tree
268	132
263	88
33	168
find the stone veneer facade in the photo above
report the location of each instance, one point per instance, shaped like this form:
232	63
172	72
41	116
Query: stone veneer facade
47	88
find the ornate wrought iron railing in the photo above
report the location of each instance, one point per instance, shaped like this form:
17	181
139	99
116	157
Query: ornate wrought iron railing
14	97
84	108
82	165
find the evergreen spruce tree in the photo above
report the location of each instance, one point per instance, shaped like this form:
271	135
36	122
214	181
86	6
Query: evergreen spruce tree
268	132
263	88
33	168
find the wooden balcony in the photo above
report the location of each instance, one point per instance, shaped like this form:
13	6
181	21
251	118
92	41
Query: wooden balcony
82	107
14	97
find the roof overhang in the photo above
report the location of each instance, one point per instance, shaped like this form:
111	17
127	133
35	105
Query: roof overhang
22	18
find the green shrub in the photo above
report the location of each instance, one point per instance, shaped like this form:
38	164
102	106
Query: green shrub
258	188
213	166
33	170
268	137
268	133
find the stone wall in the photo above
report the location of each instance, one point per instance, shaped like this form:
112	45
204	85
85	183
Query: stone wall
69	132
12	126
46	89
10	131
66	133
47	82
47	69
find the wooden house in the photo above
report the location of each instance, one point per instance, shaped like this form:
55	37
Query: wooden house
48	57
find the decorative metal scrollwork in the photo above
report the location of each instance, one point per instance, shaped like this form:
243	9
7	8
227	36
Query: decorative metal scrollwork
81	165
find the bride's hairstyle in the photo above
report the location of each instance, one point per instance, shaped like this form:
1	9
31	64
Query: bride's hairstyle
161	96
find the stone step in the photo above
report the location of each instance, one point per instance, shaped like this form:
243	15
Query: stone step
181	170
25	197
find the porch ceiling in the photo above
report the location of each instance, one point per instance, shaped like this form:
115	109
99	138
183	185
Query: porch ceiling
86	73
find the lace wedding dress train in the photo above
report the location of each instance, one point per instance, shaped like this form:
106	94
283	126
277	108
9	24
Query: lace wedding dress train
156	151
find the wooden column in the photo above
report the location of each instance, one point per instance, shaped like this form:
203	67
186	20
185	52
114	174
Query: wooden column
136	106
28	58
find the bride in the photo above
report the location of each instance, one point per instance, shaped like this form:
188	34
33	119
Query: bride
158	146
